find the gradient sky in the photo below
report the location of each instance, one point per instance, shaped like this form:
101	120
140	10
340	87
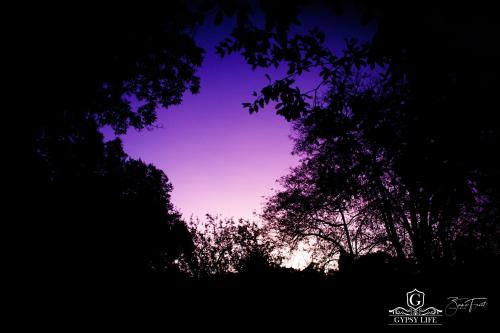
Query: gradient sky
220	159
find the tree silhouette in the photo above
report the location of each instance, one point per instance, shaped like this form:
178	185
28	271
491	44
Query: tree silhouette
97	57
112	215
303	213
397	128
225	246
94	210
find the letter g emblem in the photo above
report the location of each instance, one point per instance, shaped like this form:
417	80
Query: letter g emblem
415	299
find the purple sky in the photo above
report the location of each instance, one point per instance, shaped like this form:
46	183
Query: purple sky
220	159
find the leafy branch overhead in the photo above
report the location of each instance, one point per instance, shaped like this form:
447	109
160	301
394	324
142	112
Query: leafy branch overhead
301	53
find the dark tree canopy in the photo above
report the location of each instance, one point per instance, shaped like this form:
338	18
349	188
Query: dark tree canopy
105	212
95	59
96	210
400	127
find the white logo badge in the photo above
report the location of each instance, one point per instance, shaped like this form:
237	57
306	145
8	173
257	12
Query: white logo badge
415	313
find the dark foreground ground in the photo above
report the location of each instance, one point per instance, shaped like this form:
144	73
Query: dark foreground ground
249	302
